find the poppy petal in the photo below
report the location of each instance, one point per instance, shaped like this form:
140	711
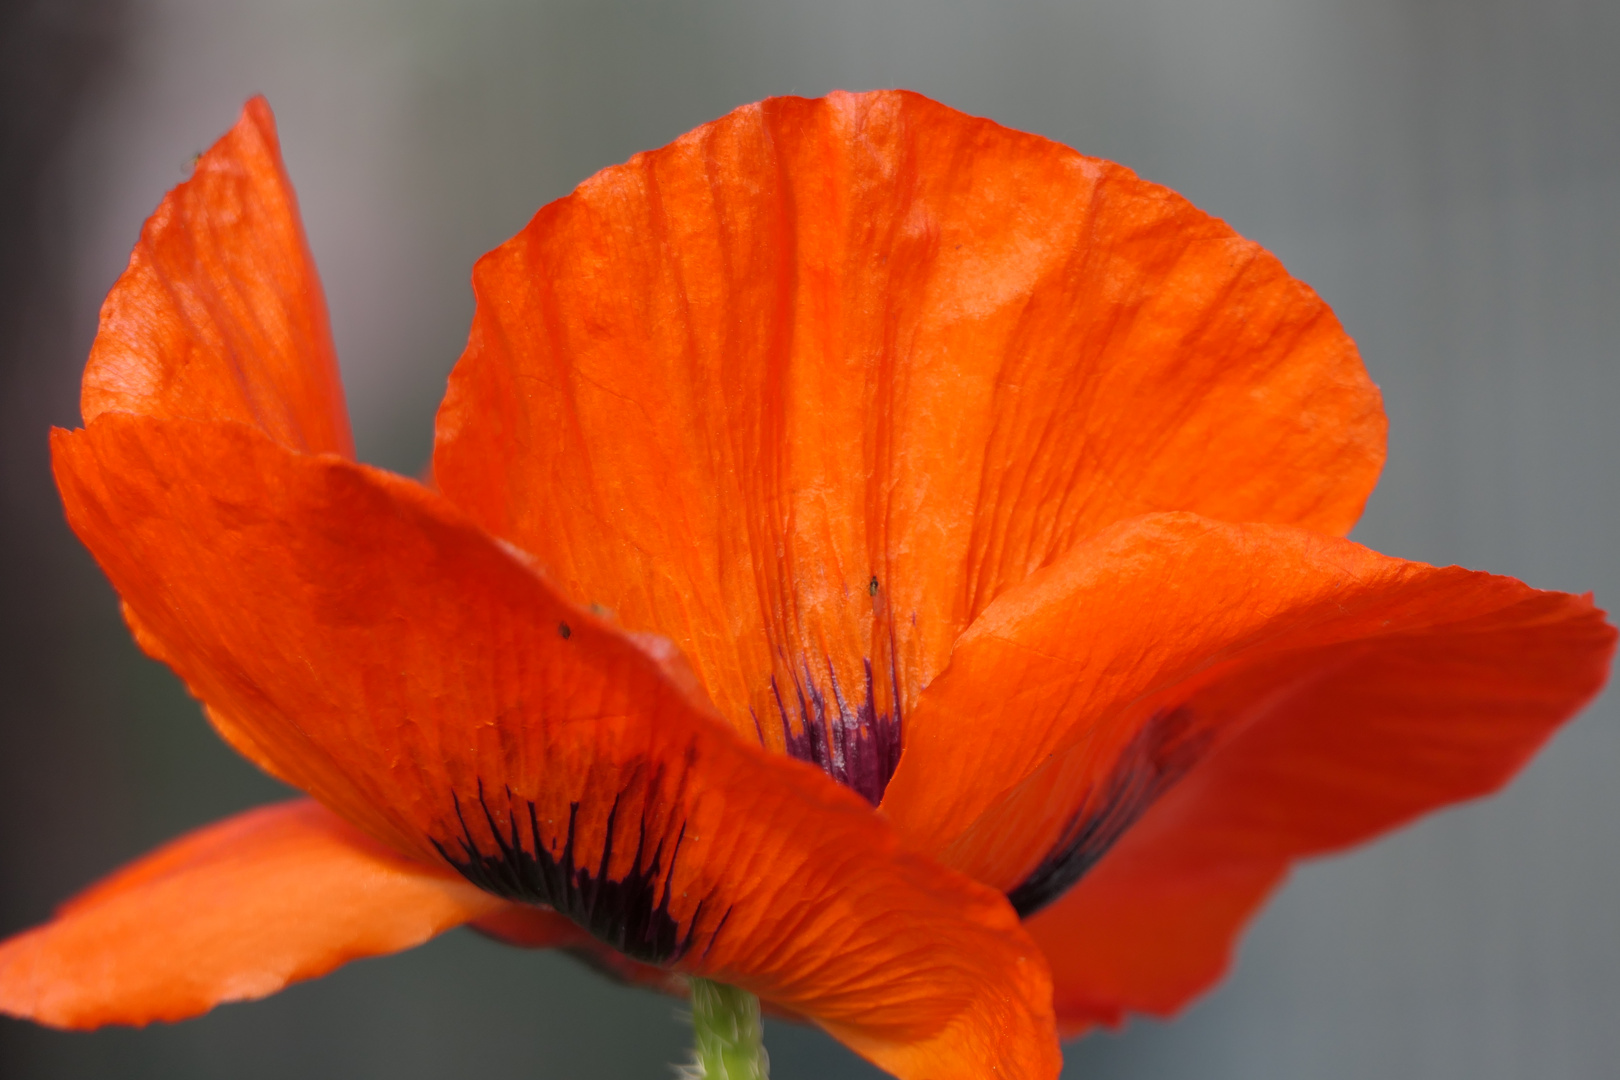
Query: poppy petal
539	928
220	314
1232	693
1150	946
1330	750
422	679
233	911
531	928
806	389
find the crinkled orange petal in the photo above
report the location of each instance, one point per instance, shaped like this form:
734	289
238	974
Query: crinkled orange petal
808	388
422	679
220	314
233	911
532	928
1184	706
541	928
1367	741
1175	629
1146	947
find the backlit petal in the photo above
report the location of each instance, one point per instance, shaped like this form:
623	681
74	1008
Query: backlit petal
1182	706
422	679
540	928
1150	946
808	388
220	314
233	911
1330	751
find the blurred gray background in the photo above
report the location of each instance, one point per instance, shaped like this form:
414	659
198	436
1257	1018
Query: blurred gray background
1445	172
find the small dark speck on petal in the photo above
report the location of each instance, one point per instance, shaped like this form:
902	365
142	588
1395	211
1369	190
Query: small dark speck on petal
563	631
873	587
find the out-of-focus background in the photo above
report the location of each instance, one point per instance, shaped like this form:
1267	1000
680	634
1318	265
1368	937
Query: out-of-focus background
1445	172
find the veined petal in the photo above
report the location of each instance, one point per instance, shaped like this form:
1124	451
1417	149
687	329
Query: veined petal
422	679
808	388
541	928
233	911
1182	707
1150	946
220	314
1082	696
1332	746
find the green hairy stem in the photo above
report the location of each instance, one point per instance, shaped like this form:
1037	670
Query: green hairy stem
728	1039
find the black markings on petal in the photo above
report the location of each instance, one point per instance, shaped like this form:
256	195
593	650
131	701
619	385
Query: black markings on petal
564	631
1159	755
858	746
630	914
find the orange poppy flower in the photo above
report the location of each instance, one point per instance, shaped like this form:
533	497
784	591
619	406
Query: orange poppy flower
992	482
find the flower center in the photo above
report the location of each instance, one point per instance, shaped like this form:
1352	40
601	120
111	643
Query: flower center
856	742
